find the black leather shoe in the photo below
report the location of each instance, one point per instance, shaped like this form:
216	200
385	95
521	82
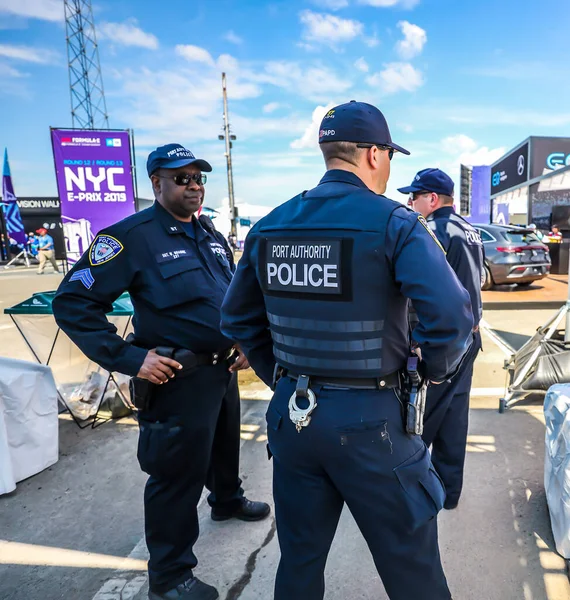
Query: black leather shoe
193	589
247	511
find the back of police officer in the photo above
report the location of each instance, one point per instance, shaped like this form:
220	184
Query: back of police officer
447	406
322	291
176	269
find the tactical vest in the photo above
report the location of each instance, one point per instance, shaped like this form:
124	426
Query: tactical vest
333	306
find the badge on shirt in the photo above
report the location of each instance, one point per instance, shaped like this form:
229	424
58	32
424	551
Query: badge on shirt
220	252
426	227
103	249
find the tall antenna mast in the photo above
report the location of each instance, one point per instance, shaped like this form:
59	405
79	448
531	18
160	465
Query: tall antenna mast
229	138
88	107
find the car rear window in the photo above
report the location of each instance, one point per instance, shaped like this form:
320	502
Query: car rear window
521	238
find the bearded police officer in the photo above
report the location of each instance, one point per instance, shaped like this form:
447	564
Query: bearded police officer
322	291
447	405
177	269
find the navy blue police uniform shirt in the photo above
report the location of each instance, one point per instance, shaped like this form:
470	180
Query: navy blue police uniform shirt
176	274
373	254
464	248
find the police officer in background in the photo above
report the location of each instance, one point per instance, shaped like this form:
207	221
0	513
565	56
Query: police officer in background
322	291
176	269
447	406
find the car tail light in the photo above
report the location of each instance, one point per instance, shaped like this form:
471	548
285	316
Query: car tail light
512	249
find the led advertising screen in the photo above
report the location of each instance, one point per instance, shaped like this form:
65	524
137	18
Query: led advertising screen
510	171
95	184
549	154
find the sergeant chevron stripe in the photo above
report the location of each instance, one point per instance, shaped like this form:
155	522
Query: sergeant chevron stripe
85	277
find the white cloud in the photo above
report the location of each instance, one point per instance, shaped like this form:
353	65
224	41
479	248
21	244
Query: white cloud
372	41
331	4
466	151
314	82
329	29
362	65
128	34
46	10
271	107
414	40
391	3
194	54
8	71
397	77
233	38
28	54
310	138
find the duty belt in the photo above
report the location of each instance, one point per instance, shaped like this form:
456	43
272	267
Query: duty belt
189	360
385	382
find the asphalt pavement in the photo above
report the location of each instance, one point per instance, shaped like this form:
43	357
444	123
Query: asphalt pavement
75	531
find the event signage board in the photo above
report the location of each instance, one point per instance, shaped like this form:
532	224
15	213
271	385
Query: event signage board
510	171
94	180
549	154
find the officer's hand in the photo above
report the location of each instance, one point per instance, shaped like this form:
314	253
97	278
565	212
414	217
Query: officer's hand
240	362
158	369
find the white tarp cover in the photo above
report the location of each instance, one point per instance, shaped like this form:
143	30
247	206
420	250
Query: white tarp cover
28	421
557	464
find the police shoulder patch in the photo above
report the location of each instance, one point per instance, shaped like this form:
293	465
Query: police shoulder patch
103	249
427	228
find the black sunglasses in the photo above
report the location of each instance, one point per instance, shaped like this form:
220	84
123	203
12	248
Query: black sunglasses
184	179
390	150
415	195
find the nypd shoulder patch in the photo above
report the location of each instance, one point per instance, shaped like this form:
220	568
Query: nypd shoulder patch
427	228
85	277
103	249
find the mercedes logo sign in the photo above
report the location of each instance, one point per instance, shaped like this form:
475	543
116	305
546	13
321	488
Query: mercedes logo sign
520	165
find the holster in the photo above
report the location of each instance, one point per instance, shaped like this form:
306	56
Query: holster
414	396
142	392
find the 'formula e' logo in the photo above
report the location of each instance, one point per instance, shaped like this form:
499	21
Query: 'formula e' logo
557	159
496	178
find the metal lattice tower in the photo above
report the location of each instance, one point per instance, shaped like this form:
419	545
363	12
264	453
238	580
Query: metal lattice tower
88	107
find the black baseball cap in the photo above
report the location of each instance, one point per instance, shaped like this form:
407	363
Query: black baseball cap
357	122
173	156
430	180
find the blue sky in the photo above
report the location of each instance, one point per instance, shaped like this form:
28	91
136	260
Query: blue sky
457	81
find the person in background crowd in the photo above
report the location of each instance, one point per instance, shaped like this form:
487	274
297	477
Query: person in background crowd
32	244
555	235
46	251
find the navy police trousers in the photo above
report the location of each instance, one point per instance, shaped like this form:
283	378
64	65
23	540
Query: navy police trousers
446	422
354	451
190	438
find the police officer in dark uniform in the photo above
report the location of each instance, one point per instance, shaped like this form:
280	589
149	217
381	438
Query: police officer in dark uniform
322	291
176	269
447	405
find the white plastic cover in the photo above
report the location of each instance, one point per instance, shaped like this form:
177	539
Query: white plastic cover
557	464
28	421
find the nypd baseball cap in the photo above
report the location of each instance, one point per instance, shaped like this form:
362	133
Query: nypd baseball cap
173	156
357	122
430	180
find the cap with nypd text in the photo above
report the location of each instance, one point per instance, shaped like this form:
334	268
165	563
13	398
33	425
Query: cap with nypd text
357	122
430	180
173	156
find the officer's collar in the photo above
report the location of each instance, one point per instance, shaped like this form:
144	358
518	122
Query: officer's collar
443	211
340	176
173	226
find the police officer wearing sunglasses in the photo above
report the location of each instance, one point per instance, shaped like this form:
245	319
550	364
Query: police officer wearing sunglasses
176	268
447	406
321	293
